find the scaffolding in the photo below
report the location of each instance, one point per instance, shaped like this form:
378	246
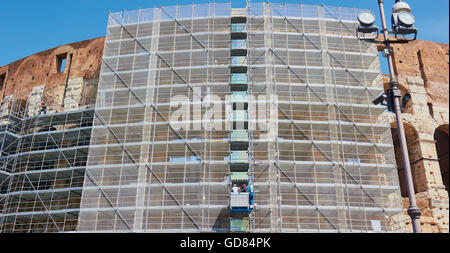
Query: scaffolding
332	169
295	87
323	164
43	159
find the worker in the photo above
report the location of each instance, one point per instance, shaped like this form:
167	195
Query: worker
243	188
43	108
250	196
235	189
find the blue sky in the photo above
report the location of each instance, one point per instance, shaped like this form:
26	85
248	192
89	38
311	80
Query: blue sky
31	26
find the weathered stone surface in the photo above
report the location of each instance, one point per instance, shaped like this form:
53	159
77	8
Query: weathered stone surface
423	72
83	60
35	100
73	95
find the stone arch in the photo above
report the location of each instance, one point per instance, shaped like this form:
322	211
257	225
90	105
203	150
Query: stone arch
441	135
407	107
23	74
412	140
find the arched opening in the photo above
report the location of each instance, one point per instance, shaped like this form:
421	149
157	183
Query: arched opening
413	151
441	138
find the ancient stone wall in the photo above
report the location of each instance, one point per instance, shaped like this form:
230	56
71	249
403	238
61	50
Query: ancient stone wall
57	77
422	69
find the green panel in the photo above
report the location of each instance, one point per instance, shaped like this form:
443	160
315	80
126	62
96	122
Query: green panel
239	135
239	224
238	44
239	156
238	60
239	176
238	28
239	96
240	115
239	79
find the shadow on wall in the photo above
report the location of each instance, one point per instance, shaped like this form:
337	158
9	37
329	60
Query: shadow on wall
412	138
441	136
222	222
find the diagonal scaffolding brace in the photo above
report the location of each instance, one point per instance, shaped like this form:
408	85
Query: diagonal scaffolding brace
343	24
326	156
184	29
43	204
328	52
327	103
96	184
156	110
158	113
304	195
88	174
148	168
156	54
173	197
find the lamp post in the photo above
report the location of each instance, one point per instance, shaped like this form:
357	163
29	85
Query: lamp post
402	23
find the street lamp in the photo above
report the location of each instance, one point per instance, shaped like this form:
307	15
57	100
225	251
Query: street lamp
402	24
403	20
366	26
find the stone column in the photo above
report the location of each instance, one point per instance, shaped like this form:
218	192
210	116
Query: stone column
431	195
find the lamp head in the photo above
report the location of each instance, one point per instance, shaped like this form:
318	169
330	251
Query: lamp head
403	20
406	19
366	18
366	25
401	6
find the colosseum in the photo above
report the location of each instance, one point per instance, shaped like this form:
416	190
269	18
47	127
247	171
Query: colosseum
87	141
